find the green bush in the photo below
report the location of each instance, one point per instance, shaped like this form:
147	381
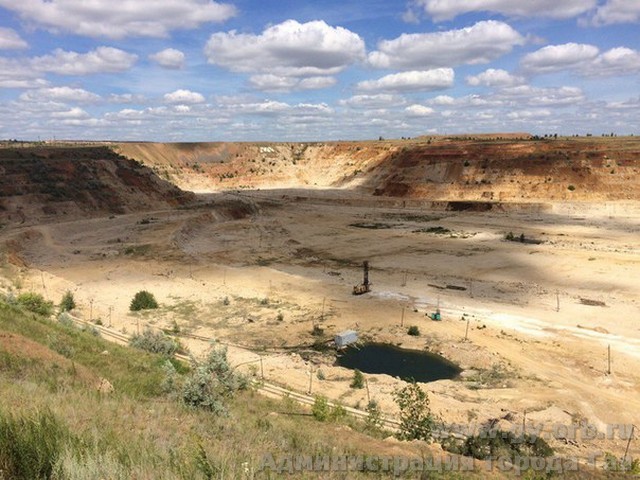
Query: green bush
143	300
155	342
67	303
358	379
414	331
34	302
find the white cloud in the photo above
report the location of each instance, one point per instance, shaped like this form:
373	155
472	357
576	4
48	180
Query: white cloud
287	49
380	100
60	94
10	40
535	96
441	10
75	112
126	98
617	11
481	43
184	97
413	81
583	59
528	114
553	58
494	78
135	18
617	61
277	83
443	100
169	58
419	111
100	60
18	74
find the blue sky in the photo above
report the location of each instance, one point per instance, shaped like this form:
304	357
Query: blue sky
197	70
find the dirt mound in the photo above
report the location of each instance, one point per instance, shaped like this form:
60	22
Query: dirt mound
490	168
49	181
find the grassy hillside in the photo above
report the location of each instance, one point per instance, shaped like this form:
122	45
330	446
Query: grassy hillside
55	423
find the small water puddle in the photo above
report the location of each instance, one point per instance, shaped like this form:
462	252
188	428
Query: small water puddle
398	362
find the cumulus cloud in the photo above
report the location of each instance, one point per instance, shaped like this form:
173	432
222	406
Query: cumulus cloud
481	43
126	98
128	18
617	11
537	96
441	10
413	81
287	49
10	40
75	112
169	58
100	60
617	61
17	74
583	59
277	83
184	97
553	58
494	78
380	100
60	94
417	110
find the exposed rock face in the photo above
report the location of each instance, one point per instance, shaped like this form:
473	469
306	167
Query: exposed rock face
482	169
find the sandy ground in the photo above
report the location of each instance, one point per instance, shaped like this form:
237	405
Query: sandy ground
534	346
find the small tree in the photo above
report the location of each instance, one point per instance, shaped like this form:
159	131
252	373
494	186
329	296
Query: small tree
416	420
67	303
143	300
414	331
358	379
373	422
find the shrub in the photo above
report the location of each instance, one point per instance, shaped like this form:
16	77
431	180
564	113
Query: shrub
416	420
67	303
571	188
414	331
321	409
280	317
509	236
211	382
155	342
34	302
143	300
358	379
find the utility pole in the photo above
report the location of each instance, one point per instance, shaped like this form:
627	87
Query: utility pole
110	310
91	310
366	384
261	368
466	332
324	299
310	378
626	451
557	300
402	317
609	359
404	280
